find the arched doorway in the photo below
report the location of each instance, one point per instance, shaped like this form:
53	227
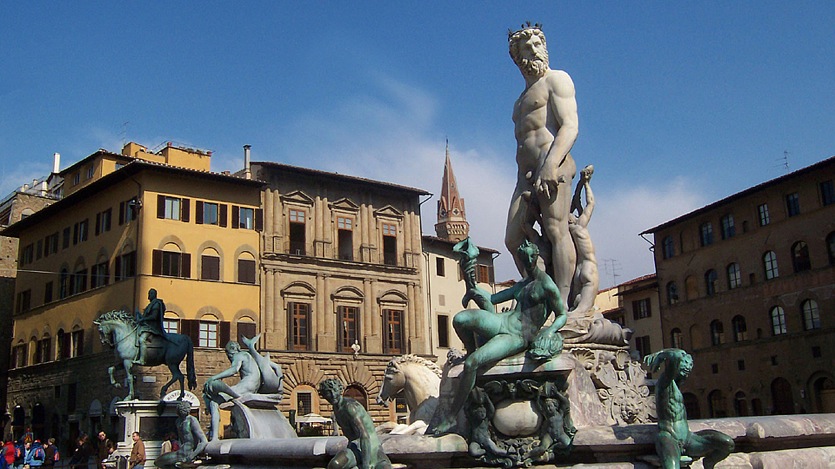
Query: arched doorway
18	420
358	394
823	394
781	397
757	406
691	406
716	403
740	404
38	421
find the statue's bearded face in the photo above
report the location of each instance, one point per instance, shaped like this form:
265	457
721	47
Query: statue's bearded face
529	52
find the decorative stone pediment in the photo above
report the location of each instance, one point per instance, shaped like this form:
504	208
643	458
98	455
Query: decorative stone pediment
345	205
298	289
393	297
388	211
297	197
349	293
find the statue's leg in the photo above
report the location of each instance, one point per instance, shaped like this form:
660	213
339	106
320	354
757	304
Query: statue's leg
214	413
140	348
712	444
668	450
518	219
110	372
472	322
498	347
176	375
128	364
344	459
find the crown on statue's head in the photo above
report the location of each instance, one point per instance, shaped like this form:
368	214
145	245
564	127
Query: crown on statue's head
525	26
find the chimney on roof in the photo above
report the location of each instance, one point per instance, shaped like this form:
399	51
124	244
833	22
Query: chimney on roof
247	170
56	163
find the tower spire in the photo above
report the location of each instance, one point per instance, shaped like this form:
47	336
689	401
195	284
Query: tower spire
452	218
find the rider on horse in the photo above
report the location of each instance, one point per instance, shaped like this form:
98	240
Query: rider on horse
150	322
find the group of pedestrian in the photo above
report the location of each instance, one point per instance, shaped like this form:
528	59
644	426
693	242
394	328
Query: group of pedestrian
28	453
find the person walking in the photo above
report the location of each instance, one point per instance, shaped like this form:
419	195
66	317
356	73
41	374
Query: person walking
81	455
9	452
137	453
51	454
105	447
34	454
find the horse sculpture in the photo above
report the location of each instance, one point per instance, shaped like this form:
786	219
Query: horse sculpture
118	329
419	380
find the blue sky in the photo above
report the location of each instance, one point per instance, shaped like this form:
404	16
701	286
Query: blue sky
680	103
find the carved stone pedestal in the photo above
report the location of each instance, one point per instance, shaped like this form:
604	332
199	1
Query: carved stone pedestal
524	411
152	419
257	416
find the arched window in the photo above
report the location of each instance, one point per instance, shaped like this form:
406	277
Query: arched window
691	287
696	338
800	257
170	261
734	276
728	229
706	234
716	402
740	328
811	315
667	247
43	353
717	332
210	265
770	265
246	268
64	290
778	321
710	282
672	293
830	247
356	393
171	322
676	339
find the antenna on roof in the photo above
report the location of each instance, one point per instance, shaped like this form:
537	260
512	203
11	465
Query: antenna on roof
612	266
786	161
124	133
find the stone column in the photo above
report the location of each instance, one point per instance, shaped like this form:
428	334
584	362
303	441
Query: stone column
373	341
417	320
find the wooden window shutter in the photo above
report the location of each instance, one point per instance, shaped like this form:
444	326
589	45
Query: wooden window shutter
635	310
191	328
225	335
290	328
160	206
121	213
156	262
186	265
259	219
186	208
198	212
98	223
235	216
223	214
245	329
118	269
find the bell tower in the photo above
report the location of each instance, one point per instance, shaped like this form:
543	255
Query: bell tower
452	219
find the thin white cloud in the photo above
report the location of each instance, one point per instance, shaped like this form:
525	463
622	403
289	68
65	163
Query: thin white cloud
623	211
395	138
